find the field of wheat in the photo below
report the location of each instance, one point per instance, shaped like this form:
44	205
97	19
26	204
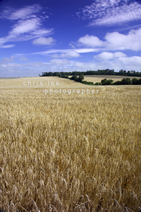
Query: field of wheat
78	152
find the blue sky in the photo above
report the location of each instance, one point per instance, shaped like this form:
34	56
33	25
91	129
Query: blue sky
67	35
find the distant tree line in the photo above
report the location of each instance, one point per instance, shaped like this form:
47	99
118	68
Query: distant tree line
91	72
124	81
79	77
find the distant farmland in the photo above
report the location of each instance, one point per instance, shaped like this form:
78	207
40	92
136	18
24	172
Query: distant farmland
46	81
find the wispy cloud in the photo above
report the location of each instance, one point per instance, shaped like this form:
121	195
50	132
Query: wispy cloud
68	52
27	24
7	46
112	12
23	13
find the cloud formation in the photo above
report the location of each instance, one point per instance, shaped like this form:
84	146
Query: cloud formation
23	13
67	53
114	41
109	55
7	46
91	41
44	41
27	24
111	12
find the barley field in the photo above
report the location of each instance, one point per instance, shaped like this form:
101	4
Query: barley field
75	150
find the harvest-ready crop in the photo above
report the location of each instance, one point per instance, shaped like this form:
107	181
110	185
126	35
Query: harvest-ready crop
78	152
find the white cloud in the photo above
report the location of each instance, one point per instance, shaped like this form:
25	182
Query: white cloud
79	64
112	12
25	26
2	41
71	53
62	62
119	54
86	50
114	41
41	32
23	13
134	61
67	52
7	46
44	41
120	41
90	41
28	24
106	55
110	55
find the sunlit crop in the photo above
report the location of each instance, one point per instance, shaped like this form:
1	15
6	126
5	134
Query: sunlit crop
78	152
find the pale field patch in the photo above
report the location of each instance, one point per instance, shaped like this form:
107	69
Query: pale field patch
78	152
98	78
40	82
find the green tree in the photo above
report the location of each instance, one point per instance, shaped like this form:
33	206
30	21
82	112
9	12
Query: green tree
74	77
98	83
134	81
106	82
109	82
126	81
81	77
117	83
